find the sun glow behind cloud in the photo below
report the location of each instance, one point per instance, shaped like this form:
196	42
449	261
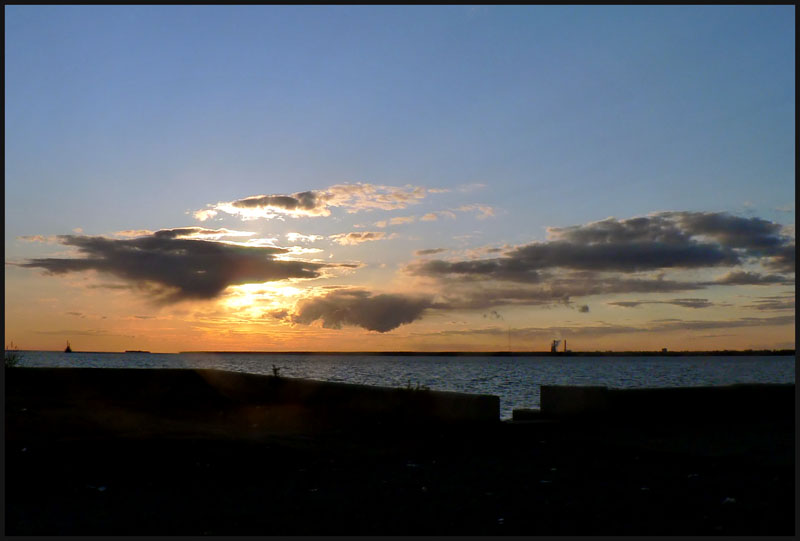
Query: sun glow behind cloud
256	300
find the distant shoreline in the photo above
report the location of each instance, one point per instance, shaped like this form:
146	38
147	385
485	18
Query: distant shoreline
714	353
516	353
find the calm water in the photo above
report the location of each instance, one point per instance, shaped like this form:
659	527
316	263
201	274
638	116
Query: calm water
515	380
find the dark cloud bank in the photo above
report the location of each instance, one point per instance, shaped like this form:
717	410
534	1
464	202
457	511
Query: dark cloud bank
361	308
174	268
663	241
602	258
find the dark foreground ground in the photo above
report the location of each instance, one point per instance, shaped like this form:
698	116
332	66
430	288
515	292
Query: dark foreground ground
93	467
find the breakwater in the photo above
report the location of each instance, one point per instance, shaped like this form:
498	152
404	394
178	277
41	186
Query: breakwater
680	404
170	390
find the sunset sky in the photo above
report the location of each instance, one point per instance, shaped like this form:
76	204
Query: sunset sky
350	178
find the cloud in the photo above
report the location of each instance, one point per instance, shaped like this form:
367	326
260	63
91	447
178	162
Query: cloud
85	332
723	324
483	211
756	235
170	267
190	232
299	250
778	302
621	257
522	264
39	238
750	278
610	257
466	188
430	251
110	286
399	220
281	314
134	233
751	237
486	269
357	237
205	214
552	290
685	303
613	257
360	308
578	331
683	240
434	216
299	237
782	259
352	197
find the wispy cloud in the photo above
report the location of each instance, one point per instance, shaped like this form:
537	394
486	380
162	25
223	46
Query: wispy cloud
430	251
577	331
399	220
483	211
299	237
357	237
751	278
190	232
433	216
685	303
774	303
84	332
551	289
47	239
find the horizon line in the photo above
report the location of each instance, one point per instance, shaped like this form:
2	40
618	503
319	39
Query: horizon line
783	351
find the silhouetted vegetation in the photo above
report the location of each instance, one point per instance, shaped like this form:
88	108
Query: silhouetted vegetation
12	356
418	387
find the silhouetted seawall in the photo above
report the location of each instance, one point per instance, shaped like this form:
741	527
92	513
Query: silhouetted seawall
213	390
679	404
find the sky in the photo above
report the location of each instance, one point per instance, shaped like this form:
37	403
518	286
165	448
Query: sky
427	178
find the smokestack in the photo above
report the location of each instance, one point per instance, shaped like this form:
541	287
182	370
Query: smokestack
565	346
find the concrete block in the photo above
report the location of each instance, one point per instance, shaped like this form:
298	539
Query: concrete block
573	401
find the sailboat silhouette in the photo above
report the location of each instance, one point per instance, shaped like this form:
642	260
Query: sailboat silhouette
68	349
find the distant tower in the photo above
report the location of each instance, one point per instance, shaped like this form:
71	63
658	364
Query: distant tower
565	346
554	346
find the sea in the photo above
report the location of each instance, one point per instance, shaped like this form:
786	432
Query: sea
515	379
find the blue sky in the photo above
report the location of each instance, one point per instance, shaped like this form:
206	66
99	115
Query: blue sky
134	117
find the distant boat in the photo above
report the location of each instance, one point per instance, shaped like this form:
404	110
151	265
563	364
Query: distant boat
136	351
68	349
